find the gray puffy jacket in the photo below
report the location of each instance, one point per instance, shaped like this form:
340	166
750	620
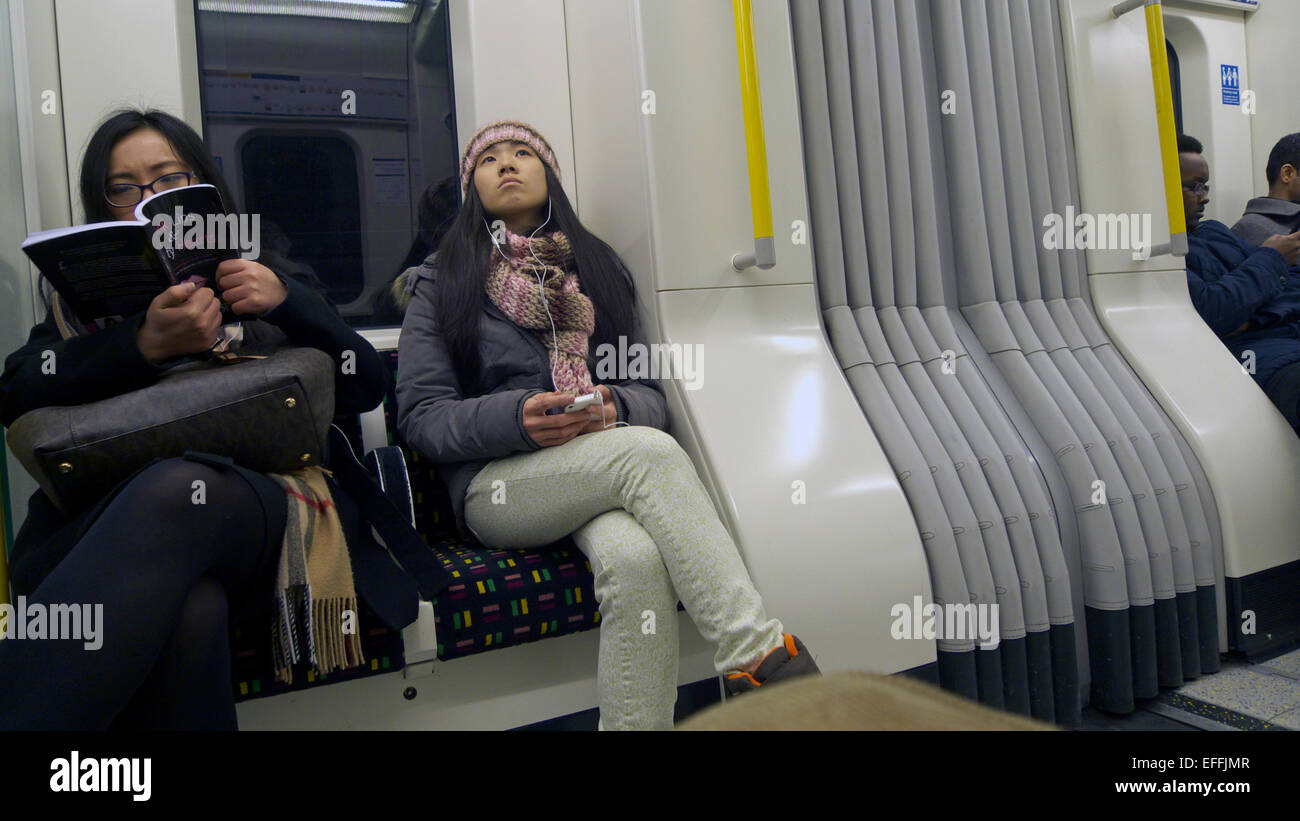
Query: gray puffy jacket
460	433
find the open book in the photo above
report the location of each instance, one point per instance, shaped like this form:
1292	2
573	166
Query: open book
107	271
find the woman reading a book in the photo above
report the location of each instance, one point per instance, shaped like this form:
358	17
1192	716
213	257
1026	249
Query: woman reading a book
169	573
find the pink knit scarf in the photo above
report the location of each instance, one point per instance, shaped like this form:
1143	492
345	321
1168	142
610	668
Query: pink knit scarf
512	285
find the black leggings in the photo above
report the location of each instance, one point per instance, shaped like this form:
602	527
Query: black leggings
170	573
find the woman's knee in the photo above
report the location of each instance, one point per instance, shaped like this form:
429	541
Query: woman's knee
178	487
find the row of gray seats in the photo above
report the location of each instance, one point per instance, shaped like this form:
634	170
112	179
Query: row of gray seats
1042	474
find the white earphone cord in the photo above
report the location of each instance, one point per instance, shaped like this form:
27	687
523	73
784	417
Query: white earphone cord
555	342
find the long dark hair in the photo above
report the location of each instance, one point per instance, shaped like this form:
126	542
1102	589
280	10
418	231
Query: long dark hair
464	257
188	145
436	213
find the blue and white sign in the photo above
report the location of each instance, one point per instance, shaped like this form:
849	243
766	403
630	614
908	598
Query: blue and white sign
1231	84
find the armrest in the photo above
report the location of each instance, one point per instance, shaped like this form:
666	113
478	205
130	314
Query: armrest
388	466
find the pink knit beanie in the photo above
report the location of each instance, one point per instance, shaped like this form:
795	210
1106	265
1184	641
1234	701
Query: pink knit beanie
502	131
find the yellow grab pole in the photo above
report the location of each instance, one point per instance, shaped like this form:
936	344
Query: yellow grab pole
760	197
1165	122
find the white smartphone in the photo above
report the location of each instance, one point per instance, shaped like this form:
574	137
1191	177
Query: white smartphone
578	404
582	402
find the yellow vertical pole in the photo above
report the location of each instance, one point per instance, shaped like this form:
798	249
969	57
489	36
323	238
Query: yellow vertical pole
1165	122
760	197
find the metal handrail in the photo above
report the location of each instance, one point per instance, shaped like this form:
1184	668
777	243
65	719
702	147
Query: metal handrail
760	196
1177	244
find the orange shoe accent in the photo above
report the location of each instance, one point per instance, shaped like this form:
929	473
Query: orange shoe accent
787	643
745	675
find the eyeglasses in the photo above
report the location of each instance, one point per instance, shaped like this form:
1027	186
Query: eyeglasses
1197	187
123	194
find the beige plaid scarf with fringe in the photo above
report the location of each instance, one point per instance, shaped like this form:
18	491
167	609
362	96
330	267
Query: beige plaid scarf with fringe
314	587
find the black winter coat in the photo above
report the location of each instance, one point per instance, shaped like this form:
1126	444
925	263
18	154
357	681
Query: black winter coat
107	363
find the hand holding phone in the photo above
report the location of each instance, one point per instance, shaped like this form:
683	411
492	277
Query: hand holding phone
547	424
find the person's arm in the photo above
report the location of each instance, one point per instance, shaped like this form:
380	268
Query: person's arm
361	378
50	371
433	415
1228	303
307	319
639	401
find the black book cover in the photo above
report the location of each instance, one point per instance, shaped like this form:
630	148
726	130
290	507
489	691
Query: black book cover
107	271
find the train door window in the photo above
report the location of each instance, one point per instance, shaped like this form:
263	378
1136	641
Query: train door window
1176	84
305	190
334	122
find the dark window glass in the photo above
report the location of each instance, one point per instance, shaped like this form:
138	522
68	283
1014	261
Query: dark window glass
305	189
1176	84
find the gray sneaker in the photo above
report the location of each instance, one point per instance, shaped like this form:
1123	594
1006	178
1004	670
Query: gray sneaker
790	660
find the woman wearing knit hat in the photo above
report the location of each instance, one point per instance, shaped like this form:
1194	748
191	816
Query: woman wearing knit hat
500	330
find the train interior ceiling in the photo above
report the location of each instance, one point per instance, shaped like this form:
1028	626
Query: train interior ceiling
919	399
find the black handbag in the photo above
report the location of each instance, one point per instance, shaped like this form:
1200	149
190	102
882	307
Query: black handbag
268	414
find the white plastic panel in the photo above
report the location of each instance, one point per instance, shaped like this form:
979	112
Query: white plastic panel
496	690
1270	34
697	149
668	190
40	126
821	522
1249	453
15	284
510	62
1113	108
1207	39
98	75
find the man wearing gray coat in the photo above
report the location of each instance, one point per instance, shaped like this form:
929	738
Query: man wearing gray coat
1279	212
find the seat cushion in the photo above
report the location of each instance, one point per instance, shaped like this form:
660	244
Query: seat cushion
505	597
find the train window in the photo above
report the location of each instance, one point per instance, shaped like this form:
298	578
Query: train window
1176	84
334	121
305	189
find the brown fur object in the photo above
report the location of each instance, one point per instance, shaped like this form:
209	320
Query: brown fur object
401	288
855	701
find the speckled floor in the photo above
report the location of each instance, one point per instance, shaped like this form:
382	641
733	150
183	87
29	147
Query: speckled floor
1259	696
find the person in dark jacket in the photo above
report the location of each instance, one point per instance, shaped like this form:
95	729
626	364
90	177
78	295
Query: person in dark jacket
1242	291
170	574
1279	212
437	210
501	328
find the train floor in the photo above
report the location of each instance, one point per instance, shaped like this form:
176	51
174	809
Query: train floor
1243	695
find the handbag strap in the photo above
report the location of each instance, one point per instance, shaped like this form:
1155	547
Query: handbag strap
60	321
399	536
